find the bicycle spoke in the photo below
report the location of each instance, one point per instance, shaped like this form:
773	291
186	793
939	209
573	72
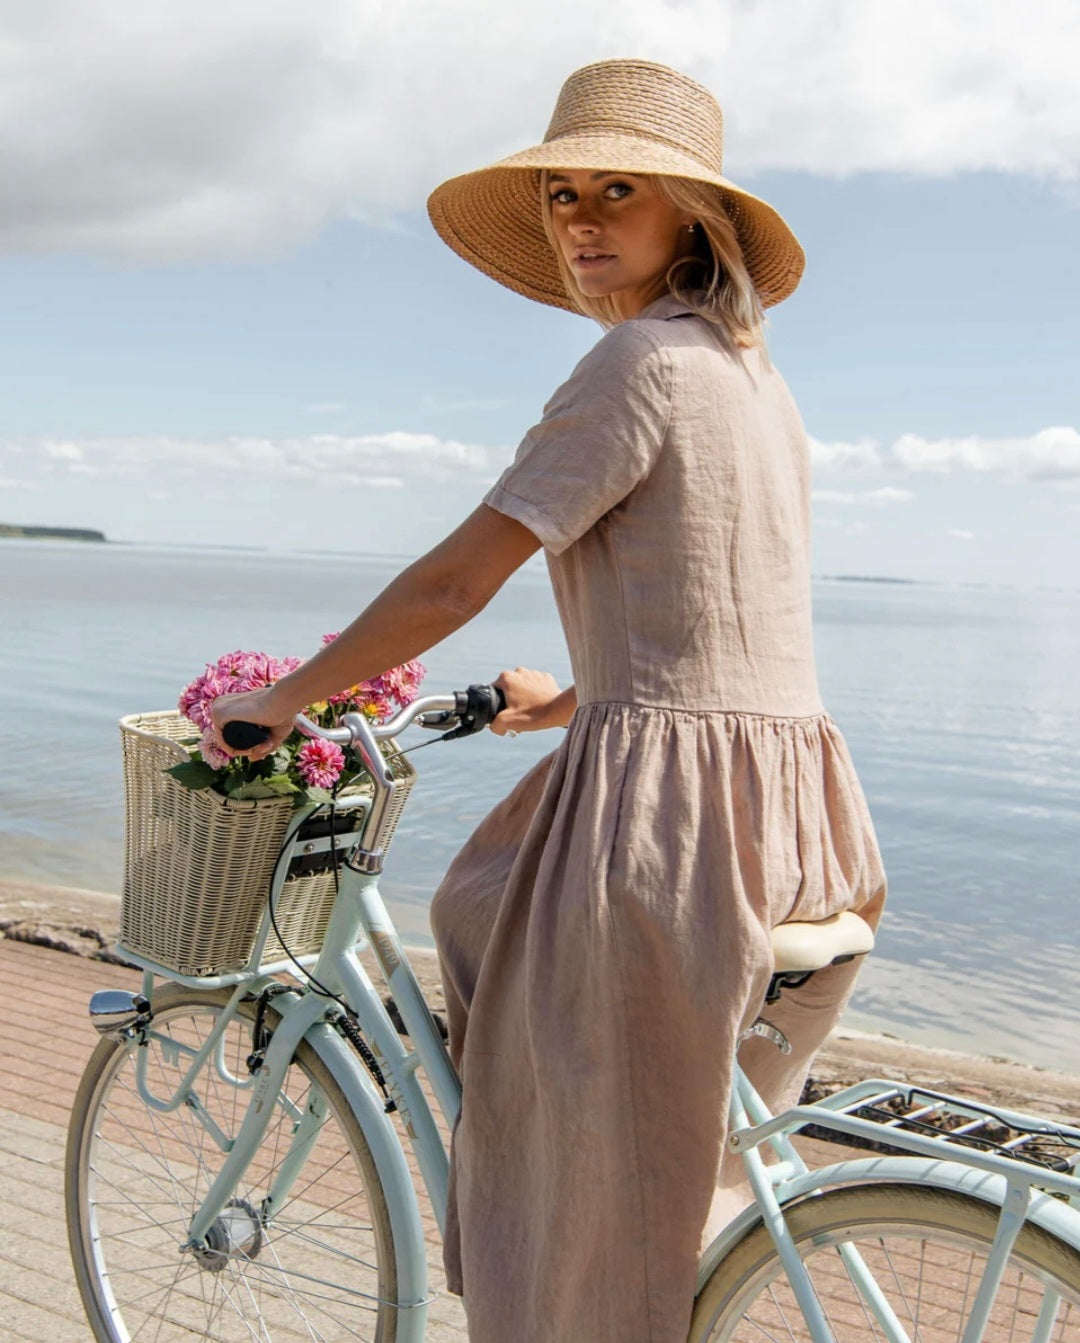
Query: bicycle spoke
927	1271
314	1272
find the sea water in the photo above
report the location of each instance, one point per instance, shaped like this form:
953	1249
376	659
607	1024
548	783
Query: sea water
961	707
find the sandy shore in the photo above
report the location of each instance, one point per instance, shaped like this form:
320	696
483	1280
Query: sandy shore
84	923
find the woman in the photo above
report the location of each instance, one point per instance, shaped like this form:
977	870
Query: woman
605	933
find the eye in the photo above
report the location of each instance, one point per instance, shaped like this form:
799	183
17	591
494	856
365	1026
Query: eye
564	196
617	191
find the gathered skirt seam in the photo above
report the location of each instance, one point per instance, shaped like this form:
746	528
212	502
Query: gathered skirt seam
821	715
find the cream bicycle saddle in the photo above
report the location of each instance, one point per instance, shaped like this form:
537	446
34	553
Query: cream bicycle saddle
805	947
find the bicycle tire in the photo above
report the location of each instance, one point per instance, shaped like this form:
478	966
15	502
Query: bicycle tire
921	1244
322	1267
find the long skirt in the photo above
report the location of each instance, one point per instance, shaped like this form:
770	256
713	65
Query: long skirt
604	938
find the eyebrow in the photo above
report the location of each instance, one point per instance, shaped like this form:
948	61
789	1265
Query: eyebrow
593	177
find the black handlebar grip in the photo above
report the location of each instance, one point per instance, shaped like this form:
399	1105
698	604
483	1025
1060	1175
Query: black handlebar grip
243	736
476	708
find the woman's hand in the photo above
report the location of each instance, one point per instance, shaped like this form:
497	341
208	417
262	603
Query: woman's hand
255	706
533	701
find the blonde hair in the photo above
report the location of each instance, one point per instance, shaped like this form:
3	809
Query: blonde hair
712	280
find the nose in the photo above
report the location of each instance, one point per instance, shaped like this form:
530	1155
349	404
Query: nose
582	221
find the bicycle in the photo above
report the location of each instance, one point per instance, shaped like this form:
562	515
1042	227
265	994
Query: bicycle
234	1170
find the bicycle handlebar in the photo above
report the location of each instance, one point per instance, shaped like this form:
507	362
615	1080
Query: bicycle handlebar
463	712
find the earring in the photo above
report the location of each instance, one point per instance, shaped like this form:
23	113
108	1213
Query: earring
691	228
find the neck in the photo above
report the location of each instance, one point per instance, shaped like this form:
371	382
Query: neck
630	303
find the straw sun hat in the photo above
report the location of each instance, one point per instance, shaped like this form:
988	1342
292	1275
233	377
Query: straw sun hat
618	116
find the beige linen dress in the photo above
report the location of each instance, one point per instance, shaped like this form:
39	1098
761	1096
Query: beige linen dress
604	934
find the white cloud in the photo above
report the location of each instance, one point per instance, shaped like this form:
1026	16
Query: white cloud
961	534
865	455
888	494
1052	454
198	129
63	452
317	459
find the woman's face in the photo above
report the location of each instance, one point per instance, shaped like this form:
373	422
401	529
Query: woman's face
617	235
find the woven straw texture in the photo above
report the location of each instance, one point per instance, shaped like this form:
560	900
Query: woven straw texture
198	866
619	116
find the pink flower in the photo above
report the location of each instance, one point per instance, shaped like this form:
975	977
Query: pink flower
320	763
404	681
232	674
212	753
380	696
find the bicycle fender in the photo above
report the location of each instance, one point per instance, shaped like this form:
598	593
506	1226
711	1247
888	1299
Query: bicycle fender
1044	1210
389	1158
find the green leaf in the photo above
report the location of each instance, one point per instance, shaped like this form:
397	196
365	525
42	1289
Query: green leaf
194	774
252	791
278	785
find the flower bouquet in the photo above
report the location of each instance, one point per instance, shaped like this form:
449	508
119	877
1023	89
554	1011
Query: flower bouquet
204	831
304	769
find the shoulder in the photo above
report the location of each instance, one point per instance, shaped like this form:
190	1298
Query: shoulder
626	349
626	373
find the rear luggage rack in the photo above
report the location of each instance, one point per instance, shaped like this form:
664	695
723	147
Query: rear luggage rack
951	1121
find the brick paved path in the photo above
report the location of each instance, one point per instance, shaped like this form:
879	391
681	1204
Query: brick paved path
45	1040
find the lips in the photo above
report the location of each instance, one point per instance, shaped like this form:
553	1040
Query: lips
589	258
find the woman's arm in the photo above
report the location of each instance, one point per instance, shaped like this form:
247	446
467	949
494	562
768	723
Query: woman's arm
426	602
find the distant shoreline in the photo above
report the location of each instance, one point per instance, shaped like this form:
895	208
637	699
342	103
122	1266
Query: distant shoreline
12	531
533	568
877	578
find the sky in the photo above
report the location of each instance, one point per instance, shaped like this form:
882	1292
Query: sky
226	319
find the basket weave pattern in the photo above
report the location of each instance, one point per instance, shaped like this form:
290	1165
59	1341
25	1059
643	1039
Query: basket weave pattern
198	866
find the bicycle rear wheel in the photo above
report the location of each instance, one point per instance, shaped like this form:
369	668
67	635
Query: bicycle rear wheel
926	1249
321	1268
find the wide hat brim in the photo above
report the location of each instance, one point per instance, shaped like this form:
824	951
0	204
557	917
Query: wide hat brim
492	217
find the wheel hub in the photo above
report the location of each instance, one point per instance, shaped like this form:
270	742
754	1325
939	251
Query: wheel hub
236	1234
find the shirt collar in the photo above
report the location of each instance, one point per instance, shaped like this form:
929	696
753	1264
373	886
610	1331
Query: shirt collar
664	308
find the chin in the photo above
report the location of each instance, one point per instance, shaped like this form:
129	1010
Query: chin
597	288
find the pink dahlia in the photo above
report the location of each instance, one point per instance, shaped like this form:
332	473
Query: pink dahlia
232	674
320	762
212	753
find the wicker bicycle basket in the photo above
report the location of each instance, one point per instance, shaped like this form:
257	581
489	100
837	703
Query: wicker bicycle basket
198	865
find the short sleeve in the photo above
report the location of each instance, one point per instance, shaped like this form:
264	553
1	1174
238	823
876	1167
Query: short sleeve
600	436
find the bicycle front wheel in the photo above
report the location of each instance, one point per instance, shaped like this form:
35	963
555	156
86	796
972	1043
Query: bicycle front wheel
321	1267
926	1250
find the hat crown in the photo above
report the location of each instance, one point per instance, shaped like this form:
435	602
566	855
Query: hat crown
641	99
